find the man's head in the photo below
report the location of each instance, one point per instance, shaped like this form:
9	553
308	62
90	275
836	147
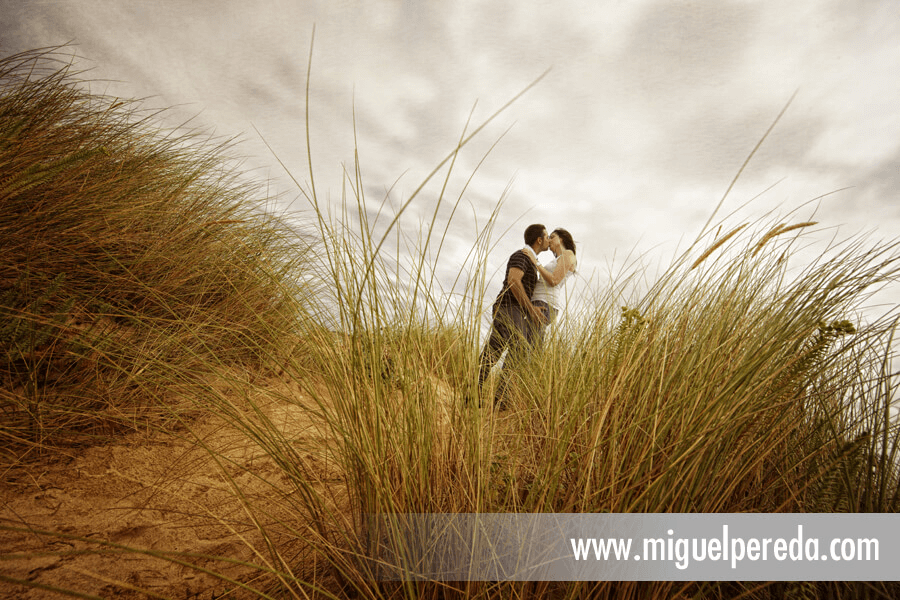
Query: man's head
537	233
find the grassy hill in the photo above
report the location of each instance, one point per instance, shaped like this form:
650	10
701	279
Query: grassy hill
134	259
144	287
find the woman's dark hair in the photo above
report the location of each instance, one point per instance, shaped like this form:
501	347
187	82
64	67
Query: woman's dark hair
566	238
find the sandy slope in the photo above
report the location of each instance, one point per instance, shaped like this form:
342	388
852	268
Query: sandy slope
153	491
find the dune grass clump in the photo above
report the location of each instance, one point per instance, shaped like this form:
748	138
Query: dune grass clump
741	380
746	378
738	383
133	259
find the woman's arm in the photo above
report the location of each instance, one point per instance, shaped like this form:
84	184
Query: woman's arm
564	263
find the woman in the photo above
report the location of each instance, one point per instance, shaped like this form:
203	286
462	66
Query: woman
554	273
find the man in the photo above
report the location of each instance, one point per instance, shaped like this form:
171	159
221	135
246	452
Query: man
515	317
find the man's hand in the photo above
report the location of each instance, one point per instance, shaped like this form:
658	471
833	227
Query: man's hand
540	318
518	290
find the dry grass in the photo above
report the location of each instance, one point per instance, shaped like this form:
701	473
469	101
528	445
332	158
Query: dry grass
134	260
741	386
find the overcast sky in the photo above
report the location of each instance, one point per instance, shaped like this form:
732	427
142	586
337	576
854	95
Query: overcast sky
647	113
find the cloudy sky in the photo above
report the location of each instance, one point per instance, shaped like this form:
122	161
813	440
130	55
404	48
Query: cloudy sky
648	111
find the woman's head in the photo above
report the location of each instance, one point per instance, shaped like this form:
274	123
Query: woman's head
564	237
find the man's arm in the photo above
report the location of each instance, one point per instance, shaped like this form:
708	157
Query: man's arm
518	290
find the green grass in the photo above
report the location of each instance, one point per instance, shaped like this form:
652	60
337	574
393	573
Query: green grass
738	381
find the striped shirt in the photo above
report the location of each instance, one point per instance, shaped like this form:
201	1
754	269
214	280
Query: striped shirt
519	261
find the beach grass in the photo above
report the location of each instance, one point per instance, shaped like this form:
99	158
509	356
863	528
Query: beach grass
746	377
134	259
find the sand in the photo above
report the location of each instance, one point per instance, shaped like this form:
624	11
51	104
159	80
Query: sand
67	515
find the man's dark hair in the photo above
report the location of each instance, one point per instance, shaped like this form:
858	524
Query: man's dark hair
566	238
533	232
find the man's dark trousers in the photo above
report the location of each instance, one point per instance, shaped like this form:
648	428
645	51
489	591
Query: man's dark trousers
510	330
